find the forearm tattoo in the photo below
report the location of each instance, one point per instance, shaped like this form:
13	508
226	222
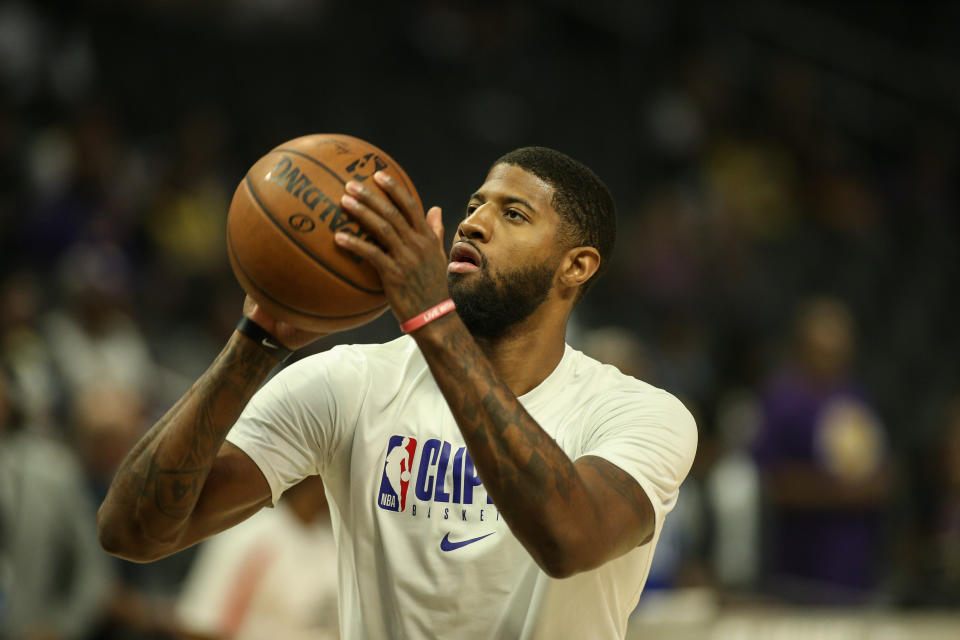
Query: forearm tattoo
515	458
168	467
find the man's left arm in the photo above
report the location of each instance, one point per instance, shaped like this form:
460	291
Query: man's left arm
570	516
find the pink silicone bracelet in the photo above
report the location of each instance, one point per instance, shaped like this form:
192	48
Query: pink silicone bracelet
428	316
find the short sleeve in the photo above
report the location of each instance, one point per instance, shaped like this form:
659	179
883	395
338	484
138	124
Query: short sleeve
651	436
294	425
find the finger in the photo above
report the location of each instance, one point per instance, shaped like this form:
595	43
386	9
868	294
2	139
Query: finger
376	202
262	318
435	222
366	250
249	305
412	210
253	310
375	224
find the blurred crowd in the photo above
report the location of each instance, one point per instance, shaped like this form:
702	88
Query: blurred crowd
786	263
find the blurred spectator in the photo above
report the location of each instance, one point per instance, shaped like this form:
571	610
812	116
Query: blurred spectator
732	488
93	338
107	419
683	363
826	469
53	574
621	348
186	225
25	352
272	576
942	570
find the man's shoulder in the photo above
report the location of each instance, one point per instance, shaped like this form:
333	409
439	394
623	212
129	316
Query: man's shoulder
605	379
605	385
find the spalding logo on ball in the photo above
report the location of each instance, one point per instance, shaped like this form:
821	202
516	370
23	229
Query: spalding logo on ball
280	231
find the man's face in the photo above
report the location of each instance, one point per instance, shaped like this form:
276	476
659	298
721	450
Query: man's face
506	252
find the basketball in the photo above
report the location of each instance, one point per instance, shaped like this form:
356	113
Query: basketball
280	230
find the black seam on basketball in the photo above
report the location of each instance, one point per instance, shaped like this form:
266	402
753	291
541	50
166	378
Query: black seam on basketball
292	239
334	173
315	161
265	294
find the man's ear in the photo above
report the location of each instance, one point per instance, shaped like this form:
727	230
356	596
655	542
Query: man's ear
579	264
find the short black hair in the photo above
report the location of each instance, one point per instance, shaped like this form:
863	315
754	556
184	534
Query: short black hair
587	211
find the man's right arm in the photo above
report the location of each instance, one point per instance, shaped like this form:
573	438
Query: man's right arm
182	482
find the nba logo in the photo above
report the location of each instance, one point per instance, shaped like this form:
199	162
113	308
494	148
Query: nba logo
396	473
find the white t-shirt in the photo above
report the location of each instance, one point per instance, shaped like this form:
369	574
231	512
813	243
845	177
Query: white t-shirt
271	576
423	552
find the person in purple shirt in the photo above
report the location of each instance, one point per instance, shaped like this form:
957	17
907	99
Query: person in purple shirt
827	478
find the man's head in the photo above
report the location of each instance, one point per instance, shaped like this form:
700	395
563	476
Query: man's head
588	216
541	223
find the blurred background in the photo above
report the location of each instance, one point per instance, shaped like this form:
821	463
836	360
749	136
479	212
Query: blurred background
786	175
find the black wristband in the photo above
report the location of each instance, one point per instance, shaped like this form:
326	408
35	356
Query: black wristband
258	334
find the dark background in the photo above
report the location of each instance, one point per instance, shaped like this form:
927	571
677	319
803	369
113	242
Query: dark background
761	153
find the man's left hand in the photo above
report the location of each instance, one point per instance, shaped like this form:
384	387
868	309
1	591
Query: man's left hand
408	254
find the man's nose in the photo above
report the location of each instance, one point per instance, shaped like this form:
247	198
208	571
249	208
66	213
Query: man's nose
476	226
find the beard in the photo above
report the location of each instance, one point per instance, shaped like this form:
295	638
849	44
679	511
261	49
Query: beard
490	306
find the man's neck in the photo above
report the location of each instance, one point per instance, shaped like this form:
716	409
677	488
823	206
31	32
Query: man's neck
527	353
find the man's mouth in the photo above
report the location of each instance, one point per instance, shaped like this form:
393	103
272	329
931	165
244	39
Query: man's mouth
464	258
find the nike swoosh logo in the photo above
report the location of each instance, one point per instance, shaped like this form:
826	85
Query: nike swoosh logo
269	345
447	545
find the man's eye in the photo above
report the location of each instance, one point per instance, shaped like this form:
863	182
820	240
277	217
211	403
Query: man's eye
510	214
471	208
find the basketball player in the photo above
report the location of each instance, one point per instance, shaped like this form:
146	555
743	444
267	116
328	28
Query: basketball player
532	482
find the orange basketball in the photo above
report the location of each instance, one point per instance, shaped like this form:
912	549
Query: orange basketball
280	231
